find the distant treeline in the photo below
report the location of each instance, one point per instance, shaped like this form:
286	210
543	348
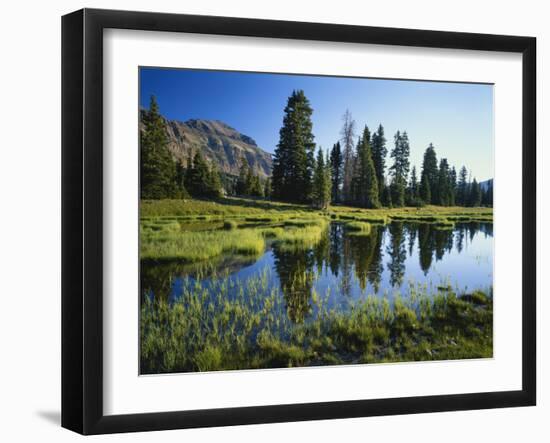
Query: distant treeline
358	174
354	173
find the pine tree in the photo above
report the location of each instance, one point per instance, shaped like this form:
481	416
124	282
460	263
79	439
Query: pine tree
180	180
453	184
293	160
489	194
336	165
256	190
366	183
214	187
321	183
462	188
475	194
241	187
267	188
201	181
158	169
353	198
414	189
250	182
430	177
425	191
327	191
443	184
386	197
348	137
400	168
379	152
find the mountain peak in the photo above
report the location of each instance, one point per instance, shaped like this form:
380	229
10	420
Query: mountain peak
221	144
220	128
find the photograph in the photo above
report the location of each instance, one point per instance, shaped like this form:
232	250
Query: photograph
303	220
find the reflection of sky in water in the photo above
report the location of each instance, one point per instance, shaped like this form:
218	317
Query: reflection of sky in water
461	258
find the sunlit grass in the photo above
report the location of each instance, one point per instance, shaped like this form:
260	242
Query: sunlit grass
244	324
271	210
193	246
358	228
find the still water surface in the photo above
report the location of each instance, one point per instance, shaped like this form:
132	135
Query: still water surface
346	268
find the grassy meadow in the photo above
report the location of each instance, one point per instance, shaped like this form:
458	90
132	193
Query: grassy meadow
228	324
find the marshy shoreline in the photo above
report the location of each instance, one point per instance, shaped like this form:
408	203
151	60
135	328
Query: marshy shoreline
216	322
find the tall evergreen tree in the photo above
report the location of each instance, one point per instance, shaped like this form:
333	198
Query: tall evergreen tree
366	183
475	194
386	197
158	169
488	201
214	187
293	160
336	166
200	180
180	180
444	185
425	191
256	189
414	189
453	184
267	188
379	152
348	138
242	181
355	185
430	177
321	183
462	193
400	168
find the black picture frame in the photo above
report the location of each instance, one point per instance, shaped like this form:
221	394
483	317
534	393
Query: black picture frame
82	219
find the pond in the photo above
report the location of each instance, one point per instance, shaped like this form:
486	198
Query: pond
397	258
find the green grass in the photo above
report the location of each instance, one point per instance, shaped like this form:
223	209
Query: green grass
358	228
192	246
264	209
162	240
195	230
206	330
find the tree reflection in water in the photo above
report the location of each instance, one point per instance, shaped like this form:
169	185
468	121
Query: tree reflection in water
349	263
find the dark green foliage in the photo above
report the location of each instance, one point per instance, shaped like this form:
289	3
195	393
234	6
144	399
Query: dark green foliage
425	191
475	194
293	160
444	189
386	197
488	195
242	182
399	170
202	181
379	152
462	193
364	183
453	184
180	180
430	177
267	188
321	183
158	169
413	191
248	184
336	166
256	189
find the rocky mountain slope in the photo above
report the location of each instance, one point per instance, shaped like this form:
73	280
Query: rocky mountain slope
219	143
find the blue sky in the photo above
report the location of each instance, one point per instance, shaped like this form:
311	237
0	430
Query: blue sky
456	117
